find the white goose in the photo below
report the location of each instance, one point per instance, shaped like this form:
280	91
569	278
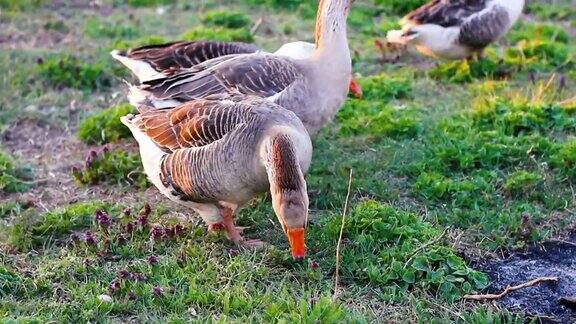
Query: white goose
214	155
457	29
313	88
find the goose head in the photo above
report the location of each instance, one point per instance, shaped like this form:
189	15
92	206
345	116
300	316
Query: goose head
285	168
291	208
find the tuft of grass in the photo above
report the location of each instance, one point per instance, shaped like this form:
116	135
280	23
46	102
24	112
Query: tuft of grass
12	177
385	87
464	71
522	182
227	19
29	230
377	120
96	28
382	248
219	33
20	5
565	159
539	55
399	7
113	167
148	3
105	126
542	31
69	71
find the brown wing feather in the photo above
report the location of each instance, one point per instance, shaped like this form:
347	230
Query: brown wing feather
171	57
446	13
193	124
262	75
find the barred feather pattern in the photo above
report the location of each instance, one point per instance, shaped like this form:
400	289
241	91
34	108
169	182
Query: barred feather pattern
481	30
171	57
261	75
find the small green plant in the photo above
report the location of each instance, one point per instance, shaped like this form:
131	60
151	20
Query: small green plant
148	3
377	120
105	126
219	33
467	71
227	19
400	7
69	71
555	11
522	182
385	87
539	55
12	177
383	250
30	230
112	167
20	5
565	159
99	29
540	31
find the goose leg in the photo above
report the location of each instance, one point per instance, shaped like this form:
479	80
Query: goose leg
234	233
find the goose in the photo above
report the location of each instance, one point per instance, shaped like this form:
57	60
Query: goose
457	29
215	154
158	61
313	88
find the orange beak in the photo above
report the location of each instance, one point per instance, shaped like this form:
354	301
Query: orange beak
297	245
355	89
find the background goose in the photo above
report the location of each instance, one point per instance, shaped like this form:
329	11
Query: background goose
456	29
311	88
215	155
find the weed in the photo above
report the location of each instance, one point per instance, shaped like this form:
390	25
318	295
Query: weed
539	55
545	32
105	126
148	3
69	71
383	250
466	71
98	29
29	230
370	118
522	182
565	159
20	5
227	19
385	87
400	7
219	33
113	167
12	177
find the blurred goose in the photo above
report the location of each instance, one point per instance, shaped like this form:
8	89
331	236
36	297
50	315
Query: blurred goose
215	155
158	61
457	29
313	88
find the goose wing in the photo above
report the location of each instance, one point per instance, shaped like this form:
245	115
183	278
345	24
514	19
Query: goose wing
485	27
194	124
259	74
446	13
171	57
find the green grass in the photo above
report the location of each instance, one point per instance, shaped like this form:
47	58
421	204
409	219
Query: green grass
13	176
69	71
218	33
105	126
112	167
473	150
